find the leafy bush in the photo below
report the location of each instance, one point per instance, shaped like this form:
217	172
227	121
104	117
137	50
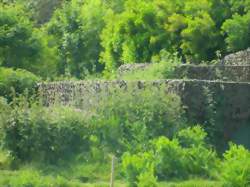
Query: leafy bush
128	119
147	179
200	160
47	134
136	167
235	169
191	136
4	112
169	159
16	80
6	161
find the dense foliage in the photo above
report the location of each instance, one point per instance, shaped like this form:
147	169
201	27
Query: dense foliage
169	159
236	166
129	119
45	134
65	128
146	131
76	32
16	82
78	38
22	45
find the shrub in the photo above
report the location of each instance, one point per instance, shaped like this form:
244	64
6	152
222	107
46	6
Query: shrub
18	80
4	112
199	158
136	167
192	136
129	118
235	169
173	160
200	161
48	134
6	161
169	159
147	179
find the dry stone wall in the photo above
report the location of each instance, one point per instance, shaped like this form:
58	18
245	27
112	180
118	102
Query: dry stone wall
231	100
123	69
237	73
212	95
239	58
86	94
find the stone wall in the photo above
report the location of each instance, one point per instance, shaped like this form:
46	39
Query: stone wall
214	96
233	67
212	103
123	69
239	58
222	106
237	73
86	94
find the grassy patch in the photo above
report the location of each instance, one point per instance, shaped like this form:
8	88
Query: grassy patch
192	183
33	178
163	67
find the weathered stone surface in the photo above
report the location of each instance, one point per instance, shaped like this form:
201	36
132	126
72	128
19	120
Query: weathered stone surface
211	103
239	58
132	67
237	73
71	92
221	106
215	96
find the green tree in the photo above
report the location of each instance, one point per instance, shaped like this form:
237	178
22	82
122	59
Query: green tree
237	32
18	44
40	10
22	45
115	5
144	28
133	36
200	39
239	6
76	29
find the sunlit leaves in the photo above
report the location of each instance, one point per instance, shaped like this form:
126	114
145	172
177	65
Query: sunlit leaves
237	30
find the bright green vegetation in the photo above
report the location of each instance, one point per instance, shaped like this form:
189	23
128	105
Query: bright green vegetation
60	38
162	68
192	183
146	130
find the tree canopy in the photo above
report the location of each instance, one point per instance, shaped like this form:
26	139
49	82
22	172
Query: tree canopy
81	37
